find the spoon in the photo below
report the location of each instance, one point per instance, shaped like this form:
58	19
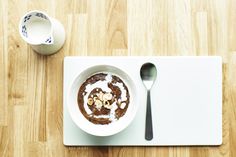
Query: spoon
148	73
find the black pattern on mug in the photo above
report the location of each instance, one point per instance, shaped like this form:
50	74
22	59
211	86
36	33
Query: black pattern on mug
26	18
49	40
41	16
24	31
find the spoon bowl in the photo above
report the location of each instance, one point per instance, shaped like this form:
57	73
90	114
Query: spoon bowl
148	74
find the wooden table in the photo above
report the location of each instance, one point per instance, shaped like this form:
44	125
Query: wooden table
31	84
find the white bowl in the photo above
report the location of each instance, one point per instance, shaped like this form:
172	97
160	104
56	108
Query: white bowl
98	129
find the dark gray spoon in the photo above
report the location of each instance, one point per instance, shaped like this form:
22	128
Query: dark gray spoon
148	74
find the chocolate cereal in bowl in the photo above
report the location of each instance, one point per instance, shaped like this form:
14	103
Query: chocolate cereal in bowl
102	100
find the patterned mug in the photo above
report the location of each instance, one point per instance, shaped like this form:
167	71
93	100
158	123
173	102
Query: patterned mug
46	35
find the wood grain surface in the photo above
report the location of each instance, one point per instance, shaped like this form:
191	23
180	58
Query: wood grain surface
31	84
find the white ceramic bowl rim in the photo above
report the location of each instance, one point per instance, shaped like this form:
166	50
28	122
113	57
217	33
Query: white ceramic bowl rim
96	129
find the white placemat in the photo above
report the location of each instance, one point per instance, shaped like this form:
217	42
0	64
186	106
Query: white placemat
186	101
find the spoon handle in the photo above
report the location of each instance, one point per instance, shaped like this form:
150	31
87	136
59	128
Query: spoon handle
148	127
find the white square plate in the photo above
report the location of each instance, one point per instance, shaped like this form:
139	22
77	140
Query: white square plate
186	101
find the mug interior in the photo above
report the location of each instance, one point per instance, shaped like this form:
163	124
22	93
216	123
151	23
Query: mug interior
36	28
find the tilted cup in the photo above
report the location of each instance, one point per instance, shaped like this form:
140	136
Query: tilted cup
46	35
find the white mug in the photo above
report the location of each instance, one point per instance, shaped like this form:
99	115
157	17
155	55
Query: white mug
46	35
